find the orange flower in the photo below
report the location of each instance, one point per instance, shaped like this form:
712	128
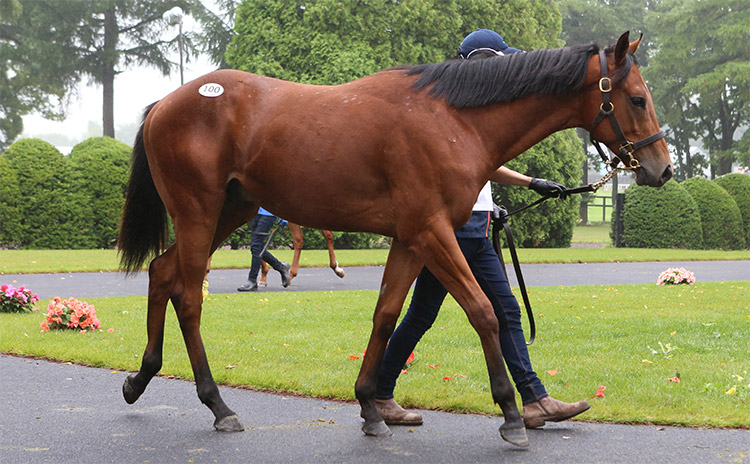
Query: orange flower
353	356
552	372
447	378
674	379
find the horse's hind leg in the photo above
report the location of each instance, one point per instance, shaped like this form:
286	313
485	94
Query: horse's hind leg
160	272
400	271
328	235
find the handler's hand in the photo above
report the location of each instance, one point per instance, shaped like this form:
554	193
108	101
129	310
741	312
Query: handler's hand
546	187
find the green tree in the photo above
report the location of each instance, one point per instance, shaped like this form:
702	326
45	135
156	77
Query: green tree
94	39
700	74
335	41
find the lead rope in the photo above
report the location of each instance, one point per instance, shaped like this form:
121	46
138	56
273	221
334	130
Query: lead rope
500	216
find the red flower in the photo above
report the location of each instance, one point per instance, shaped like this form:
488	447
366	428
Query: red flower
410	359
600	391
447	378
674	379
353	356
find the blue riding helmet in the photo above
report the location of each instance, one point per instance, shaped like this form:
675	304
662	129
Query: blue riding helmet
484	39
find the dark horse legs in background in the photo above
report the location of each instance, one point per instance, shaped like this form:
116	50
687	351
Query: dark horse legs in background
298	240
401	153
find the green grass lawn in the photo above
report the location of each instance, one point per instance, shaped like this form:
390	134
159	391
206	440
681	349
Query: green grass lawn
42	261
629	338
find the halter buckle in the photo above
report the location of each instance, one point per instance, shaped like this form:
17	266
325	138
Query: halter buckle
605	88
611	107
628	147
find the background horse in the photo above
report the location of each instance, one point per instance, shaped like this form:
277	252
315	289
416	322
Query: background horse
298	241
401	153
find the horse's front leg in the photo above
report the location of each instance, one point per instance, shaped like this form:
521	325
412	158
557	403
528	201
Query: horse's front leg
445	260
161	272
401	269
328	235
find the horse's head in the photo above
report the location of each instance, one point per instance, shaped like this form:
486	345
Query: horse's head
626	122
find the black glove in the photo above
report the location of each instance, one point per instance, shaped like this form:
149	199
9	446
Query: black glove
546	188
499	213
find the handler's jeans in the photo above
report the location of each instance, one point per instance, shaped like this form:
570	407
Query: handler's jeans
426	300
259	229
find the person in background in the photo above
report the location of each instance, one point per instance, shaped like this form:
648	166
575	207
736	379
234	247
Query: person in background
429	293
259	229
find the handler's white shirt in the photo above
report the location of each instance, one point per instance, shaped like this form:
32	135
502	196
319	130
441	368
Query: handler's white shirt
484	200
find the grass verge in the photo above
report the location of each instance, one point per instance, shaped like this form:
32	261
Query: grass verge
629	338
44	261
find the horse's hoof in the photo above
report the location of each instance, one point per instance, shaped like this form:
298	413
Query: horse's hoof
229	424
128	392
339	272
516	436
376	429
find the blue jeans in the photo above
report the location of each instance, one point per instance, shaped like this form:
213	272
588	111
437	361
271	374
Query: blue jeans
426	300
259	229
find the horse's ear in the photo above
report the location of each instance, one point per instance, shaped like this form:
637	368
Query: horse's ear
634	45
621	49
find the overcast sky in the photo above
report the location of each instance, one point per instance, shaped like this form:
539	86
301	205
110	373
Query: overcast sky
135	89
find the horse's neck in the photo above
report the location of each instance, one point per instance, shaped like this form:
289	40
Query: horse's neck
509	129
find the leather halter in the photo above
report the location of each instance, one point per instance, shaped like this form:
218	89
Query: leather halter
607	109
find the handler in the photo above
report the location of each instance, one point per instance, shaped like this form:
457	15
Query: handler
429	293
259	229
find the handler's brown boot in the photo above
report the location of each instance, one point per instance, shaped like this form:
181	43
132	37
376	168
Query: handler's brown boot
549	409
393	414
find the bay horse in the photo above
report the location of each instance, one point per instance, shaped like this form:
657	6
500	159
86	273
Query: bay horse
401	153
298	241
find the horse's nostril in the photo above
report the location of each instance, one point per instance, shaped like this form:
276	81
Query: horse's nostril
667	174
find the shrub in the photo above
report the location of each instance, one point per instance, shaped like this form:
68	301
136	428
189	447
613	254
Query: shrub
738	187
39	171
10	212
720	217
666	217
98	178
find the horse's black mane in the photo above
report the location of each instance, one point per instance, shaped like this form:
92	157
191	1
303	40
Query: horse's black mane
470	83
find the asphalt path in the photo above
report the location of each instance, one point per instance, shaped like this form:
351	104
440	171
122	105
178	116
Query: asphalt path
106	284
61	412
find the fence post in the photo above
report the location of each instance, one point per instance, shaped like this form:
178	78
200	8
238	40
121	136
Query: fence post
617	218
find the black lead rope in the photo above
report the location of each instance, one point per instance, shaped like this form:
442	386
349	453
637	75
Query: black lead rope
500	216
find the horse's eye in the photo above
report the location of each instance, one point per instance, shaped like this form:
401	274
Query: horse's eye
638	102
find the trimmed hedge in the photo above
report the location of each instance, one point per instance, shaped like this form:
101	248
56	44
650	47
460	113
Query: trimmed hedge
59	202
721	220
666	217
10	212
39	171
738	187
99	169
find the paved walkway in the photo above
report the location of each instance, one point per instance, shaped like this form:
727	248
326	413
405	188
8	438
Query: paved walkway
104	284
57	412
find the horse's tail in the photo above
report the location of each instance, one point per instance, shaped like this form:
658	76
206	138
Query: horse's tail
144	226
